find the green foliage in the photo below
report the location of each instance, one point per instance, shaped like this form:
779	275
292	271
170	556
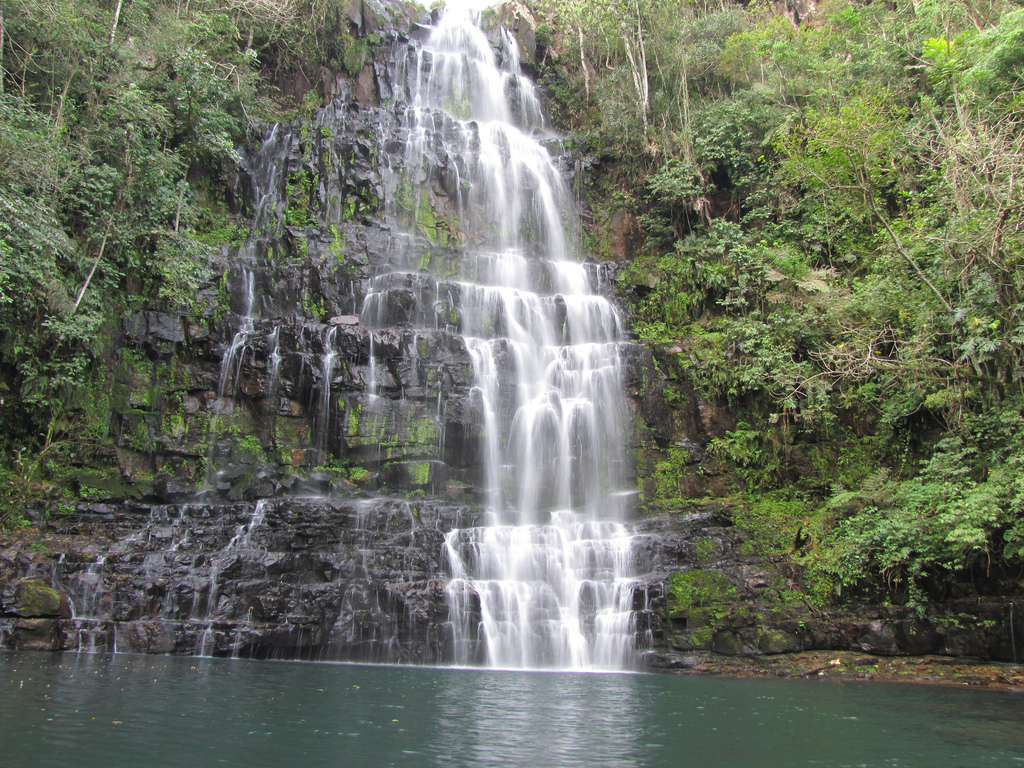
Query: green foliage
832	236
775	519
12	500
249	445
743	446
300	187
698	589
992	61
666	475
963	510
704	551
184	265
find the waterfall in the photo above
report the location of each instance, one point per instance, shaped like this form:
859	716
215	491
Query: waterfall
232	362
327	361
478	392
547	583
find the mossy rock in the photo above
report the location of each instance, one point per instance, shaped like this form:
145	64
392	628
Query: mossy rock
105	483
727	643
698	589
702	639
772	641
697	617
37	600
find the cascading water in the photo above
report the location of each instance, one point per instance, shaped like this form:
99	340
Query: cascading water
480	384
327	361
547	582
232	362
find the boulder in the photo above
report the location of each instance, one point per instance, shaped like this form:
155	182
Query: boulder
35	599
36	635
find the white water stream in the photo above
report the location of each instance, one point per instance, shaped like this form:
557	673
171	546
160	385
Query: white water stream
547	584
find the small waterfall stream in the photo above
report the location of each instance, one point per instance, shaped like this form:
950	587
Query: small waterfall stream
546	584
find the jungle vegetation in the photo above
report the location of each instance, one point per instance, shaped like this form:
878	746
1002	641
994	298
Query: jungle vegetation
829	201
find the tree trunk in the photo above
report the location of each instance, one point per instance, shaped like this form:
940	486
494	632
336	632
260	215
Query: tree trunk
639	82
95	264
583	63
638	63
2	30
113	27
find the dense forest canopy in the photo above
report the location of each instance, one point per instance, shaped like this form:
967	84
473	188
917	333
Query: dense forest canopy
827	228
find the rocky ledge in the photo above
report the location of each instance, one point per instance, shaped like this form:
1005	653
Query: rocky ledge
344	575
849	666
337	577
724	609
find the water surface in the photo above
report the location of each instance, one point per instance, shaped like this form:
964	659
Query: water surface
95	710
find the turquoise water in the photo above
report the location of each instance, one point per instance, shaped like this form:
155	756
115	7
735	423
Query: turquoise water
121	710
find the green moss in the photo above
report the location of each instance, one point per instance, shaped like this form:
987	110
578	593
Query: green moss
667	474
313	307
773	520
349	208
299	192
705	550
336	246
698	589
198	428
426	219
405	203
700	617
36	599
354	418
772	641
248	445
419	472
355	53
702	638
297	250
173	424
422	431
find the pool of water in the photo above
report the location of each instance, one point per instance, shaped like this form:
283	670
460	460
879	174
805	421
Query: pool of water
94	710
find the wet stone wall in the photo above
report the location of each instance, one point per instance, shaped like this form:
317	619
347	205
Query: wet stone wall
325	578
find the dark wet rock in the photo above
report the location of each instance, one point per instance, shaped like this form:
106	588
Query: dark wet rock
360	579
165	327
169	491
148	637
340	577
518	19
35	635
135	326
